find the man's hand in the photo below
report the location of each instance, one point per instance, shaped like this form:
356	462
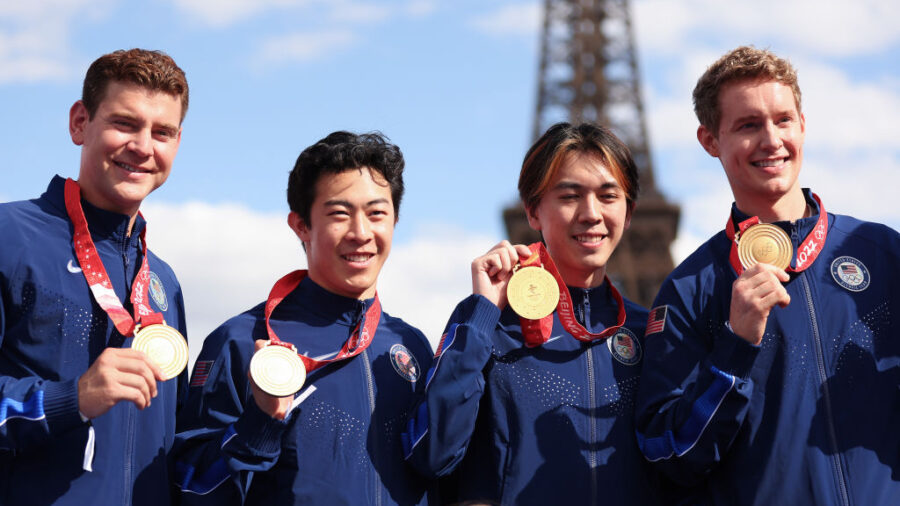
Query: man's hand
276	407
491	271
117	375
753	295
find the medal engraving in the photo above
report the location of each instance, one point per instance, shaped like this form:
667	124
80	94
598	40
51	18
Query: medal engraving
165	346
278	370
532	293
765	243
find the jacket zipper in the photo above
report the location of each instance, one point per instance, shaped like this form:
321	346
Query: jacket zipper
370	387
826	397
592	401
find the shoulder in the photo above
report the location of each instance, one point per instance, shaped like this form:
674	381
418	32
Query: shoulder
33	233
635	316
702	267
873	233
238	332
407	334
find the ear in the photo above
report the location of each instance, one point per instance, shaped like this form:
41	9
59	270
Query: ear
628	211
298	226
78	120
709	141
533	220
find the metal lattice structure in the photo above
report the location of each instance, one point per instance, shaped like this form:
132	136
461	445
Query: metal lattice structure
588	72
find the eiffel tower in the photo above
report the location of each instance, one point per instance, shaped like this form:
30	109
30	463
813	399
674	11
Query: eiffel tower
588	72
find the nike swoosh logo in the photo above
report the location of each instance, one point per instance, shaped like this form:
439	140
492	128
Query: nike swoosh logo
73	268
554	338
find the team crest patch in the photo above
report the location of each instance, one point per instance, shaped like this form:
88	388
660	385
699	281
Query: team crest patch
624	347
158	292
850	273
404	363
656	322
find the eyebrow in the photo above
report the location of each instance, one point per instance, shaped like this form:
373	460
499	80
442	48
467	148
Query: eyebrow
572	185
346	203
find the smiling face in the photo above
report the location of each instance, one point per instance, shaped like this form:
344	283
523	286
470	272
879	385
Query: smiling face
127	147
349	235
760	145
582	217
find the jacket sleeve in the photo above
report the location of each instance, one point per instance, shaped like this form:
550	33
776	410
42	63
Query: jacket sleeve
223	437
695	385
443	419
33	410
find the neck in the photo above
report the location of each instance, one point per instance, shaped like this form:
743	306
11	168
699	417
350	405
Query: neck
588	280
789	207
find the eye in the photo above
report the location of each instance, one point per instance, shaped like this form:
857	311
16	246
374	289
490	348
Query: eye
567	197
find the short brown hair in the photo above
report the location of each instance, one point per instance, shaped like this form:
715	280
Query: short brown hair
153	70
548	153
742	63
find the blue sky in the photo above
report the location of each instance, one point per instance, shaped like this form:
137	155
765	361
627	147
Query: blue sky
453	83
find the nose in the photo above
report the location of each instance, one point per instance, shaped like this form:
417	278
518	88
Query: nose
360	228
141	142
771	137
590	209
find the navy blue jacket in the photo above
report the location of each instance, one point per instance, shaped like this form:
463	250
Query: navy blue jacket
812	415
340	445
544	425
51	331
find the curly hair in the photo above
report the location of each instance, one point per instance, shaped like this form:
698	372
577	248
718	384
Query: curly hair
548	153
153	70
742	63
339	152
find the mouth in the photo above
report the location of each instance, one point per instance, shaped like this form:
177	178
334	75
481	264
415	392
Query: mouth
358	258
590	239
771	162
131	168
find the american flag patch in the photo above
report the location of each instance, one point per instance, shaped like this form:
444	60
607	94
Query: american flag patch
201	372
656	322
849	269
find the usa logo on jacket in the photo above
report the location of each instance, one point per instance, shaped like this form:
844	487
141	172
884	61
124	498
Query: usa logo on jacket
625	347
850	273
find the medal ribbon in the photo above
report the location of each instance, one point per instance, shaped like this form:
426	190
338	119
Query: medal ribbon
807	252
537	332
97	277
355	344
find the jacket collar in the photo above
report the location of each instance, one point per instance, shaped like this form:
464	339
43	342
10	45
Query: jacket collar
103	225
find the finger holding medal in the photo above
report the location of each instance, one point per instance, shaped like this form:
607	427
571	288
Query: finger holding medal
491	272
118	374
276	407
753	295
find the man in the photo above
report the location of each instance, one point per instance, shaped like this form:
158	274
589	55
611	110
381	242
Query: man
337	442
84	419
537	409
776	384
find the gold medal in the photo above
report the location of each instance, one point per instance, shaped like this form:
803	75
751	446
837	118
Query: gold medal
165	346
278	370
765	243
532	293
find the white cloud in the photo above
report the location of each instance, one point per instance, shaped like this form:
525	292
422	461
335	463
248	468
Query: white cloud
512	19
420	8
34	37
824	28
222	13
356	12
304	47
845	114
227	258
